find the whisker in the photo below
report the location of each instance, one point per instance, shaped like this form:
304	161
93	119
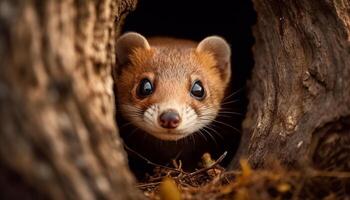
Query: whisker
211	136
223	115
202	135
178	155
194	140
233	93
230	112
125	125
228	125
214	131
131	133
228	102
148	120
148	112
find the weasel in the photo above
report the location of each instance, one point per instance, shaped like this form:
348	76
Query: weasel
171	88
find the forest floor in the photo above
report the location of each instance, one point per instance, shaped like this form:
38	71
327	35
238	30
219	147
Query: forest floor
213	182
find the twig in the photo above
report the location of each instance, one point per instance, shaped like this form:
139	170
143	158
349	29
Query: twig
207	168
148	184
152	163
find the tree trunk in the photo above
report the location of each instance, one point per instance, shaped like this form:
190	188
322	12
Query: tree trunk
58	137
300	88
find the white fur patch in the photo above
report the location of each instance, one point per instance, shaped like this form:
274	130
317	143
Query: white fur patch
190	121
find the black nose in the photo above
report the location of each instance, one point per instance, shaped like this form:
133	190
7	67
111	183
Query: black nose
169	119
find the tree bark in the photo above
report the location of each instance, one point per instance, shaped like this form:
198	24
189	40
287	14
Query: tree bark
58	137
299	92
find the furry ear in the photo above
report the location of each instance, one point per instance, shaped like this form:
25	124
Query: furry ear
127	43
220	49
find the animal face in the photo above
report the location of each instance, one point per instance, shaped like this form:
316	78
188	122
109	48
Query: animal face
169	91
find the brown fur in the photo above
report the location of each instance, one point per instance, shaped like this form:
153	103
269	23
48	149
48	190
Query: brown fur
172	65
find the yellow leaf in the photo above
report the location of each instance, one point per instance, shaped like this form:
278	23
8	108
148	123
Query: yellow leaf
283	187
168	190
246	169
207	161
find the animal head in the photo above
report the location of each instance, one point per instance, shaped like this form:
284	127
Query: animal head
171	88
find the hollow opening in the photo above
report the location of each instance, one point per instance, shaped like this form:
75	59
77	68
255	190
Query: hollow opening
195	21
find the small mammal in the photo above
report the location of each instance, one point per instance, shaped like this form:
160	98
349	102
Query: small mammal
171	88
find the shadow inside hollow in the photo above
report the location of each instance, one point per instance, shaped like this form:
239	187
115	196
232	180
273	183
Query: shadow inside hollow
197	20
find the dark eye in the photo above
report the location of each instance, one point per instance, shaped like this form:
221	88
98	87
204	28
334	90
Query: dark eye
197	90
145	88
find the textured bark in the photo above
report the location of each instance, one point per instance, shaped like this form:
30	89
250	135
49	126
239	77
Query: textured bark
300	86
58	137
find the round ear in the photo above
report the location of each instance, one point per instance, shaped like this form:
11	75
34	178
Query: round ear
127	43
220	49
